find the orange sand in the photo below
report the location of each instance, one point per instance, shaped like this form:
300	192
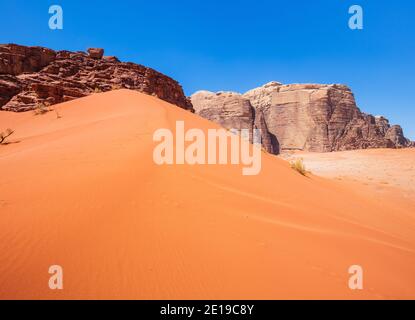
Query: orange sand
383	169
83	192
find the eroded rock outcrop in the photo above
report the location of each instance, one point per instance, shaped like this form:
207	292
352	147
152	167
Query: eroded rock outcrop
310	117
30	76
233	111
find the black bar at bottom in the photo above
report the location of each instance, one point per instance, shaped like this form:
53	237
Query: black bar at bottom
208	309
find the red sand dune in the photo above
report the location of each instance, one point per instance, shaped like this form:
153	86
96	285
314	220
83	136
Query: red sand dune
83	192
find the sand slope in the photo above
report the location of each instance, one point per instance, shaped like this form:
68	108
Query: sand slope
83	192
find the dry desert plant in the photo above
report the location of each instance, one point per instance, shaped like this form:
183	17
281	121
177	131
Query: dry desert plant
4	135
299	166
58	115
41	108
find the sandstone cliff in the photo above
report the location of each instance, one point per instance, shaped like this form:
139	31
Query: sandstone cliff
233	111
30	76
310	117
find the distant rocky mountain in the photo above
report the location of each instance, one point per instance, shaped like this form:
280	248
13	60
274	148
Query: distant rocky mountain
30	76
309	117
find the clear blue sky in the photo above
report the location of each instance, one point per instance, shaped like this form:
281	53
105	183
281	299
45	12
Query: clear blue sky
238	44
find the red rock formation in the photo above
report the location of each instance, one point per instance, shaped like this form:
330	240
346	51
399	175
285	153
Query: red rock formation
310	117
232	111
96	53
30	76
15	59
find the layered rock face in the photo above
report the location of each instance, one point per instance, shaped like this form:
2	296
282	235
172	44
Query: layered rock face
30	76
310	117
232	111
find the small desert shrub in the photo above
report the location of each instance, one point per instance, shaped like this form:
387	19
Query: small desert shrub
299	166
4	135
58	115
41	108
98	90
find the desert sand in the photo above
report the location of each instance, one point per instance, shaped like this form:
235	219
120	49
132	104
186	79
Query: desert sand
387	167
84	193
